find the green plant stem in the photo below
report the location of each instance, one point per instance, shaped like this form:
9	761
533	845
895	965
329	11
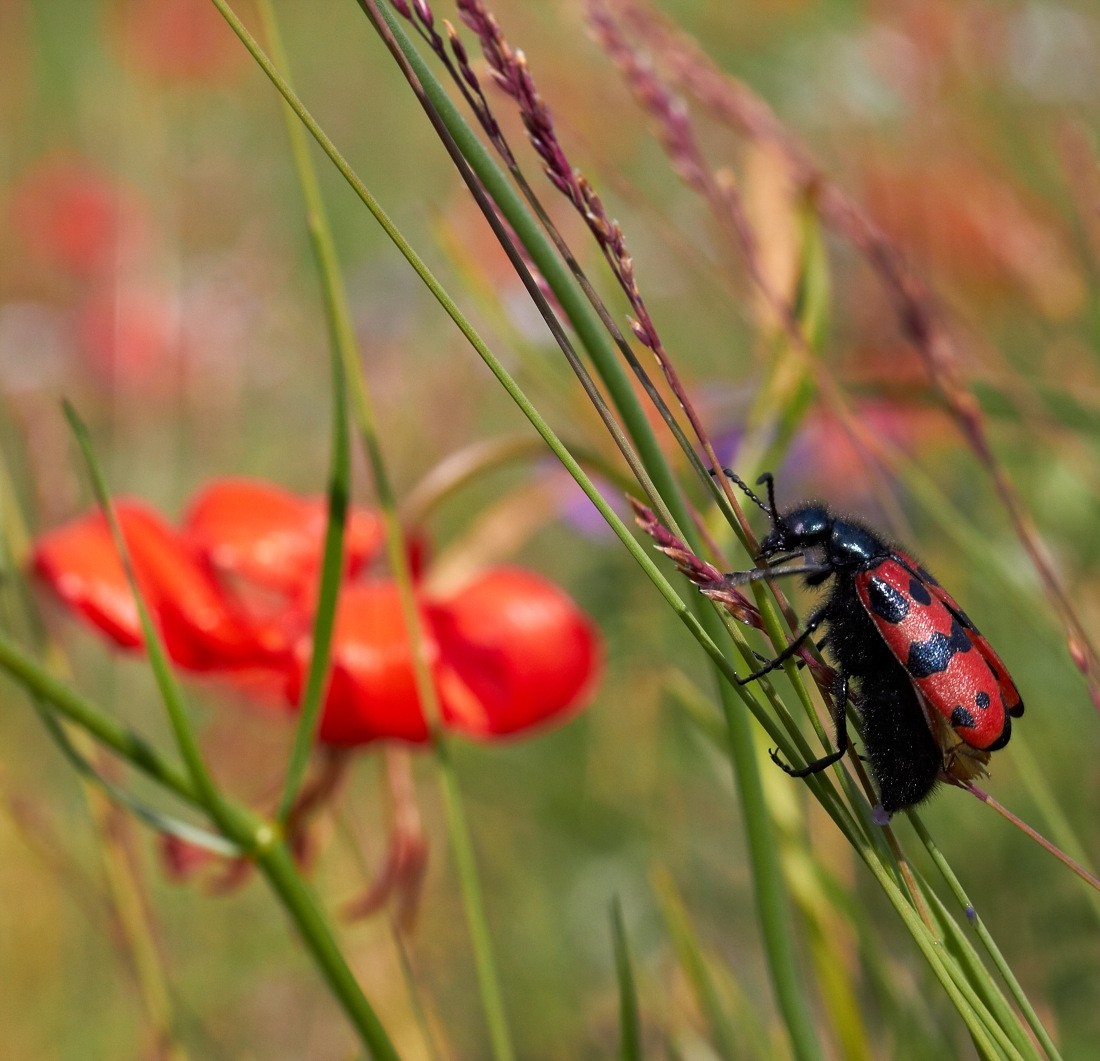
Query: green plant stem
987	940
630	1018
462	848
246	830
769	884
257	838
277	866
43	685
341	341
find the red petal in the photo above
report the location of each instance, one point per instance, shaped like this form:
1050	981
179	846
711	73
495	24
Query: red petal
201	628
372	693
79	562
271	537
516	652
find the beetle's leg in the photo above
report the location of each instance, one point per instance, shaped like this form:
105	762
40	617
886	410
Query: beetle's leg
840	701
814	621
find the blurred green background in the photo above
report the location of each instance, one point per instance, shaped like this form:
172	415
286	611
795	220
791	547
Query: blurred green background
154	269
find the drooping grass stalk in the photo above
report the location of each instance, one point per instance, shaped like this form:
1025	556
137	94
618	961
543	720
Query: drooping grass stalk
920	321
111	733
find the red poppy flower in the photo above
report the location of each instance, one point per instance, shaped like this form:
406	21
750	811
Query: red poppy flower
270	537
372	690
515	650
202	628
507	652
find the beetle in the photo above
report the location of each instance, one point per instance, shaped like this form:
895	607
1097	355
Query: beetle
934	698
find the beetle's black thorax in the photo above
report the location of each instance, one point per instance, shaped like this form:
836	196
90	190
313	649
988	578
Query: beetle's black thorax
851	547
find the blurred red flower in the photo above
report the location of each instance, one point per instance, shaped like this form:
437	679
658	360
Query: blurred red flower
230	594
129	338
178	41
202	627
270	537
73	218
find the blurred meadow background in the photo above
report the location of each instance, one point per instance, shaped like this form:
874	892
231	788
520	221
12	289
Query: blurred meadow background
155	271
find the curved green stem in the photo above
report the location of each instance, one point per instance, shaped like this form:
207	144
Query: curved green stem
45	687
277	866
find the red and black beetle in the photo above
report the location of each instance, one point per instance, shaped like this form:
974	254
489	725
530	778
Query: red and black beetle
933	696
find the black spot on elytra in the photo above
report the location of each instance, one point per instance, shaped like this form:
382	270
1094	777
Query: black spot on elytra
961	718
926	575
919	591
982	700
886	602
934	655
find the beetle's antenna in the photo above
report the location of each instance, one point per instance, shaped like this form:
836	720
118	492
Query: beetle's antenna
769	479
734	477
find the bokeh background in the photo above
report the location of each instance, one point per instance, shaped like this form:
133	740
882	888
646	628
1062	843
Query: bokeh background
154	269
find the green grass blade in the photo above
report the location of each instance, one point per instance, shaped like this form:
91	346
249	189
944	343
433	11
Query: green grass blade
727	1037
111	733
630	1020
341	350
261	840
984	935
169	689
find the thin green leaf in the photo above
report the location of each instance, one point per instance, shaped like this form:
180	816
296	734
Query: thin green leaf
137	751
630	1021
987	941
161	822
341	351
696	967
1003	1023
170	692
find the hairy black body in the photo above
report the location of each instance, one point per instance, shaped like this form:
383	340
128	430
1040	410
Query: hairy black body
901	751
